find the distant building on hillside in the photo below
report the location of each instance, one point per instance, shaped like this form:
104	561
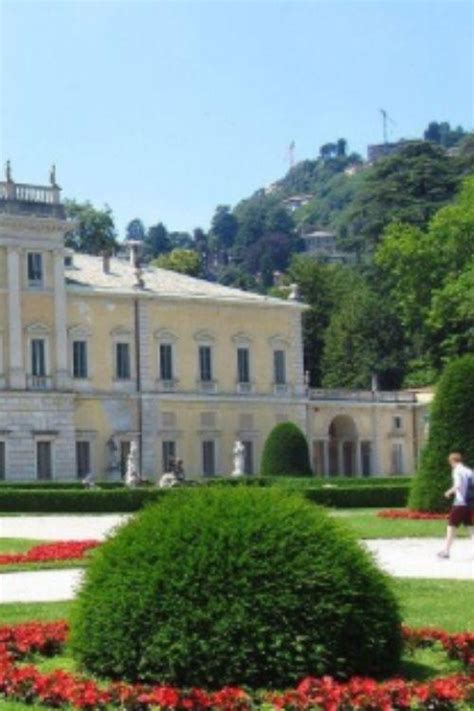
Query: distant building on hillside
322	245
296	201
378	151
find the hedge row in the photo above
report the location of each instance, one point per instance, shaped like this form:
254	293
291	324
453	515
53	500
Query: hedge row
127	500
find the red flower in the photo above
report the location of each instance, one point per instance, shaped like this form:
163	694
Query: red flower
60	550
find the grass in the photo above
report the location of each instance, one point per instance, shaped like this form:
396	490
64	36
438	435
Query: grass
446	604
366	524
18	545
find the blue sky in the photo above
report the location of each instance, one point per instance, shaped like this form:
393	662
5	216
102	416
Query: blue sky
166	109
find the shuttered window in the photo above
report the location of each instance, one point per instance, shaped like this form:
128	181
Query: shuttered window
38	357
35	268
169	455
279	367
83	459
123	361
166	361
243	365
44	462
208	458
3	464
80	369
205	363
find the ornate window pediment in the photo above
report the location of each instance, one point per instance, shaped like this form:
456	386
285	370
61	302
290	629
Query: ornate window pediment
80	331
38	329
278	341
242	339
165	335
204	336
121	332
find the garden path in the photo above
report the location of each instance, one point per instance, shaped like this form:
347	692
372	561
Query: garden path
403	557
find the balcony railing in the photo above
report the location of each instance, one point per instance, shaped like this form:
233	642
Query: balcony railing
39	382
402	396
24	192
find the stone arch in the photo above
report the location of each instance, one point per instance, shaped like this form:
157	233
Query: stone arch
343	443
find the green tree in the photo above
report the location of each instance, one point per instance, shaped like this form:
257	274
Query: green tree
364	337
409	186
285	452
451	430
157	240
224	227
185	261
428	275
93	231
135	230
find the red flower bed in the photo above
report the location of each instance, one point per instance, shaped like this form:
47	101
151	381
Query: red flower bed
411	515
60	550
60	689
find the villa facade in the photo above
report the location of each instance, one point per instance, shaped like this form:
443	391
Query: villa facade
96	352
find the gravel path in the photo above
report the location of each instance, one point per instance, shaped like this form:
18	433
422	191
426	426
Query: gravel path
403	557
55	528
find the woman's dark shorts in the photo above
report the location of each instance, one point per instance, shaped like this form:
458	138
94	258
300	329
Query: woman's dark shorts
461	515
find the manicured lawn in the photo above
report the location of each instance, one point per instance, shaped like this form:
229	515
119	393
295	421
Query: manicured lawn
447	604
13	613
366	524
18	545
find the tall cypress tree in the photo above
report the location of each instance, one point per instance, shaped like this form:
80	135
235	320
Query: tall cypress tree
451	430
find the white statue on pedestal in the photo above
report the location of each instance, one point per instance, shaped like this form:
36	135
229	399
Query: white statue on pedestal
132	475
238	459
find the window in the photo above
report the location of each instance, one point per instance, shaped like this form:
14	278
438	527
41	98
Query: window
35	268
397	458
366	458
3	463
122	352
248	457
279	367
79	357
166	361
44	462
124	452
205	363
243	365
208	458
168	455
38	357
397	422
83	459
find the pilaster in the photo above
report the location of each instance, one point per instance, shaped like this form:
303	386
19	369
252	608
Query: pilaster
62	370
16	375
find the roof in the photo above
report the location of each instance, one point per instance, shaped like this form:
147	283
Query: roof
87	276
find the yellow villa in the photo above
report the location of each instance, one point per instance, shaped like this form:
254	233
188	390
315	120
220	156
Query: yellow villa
97	353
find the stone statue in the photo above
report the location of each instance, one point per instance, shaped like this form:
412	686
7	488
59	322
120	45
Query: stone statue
52	176
132	475
168	481
114	458
238	458
8	172
88	481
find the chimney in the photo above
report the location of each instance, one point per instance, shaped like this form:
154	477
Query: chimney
106	262
134	245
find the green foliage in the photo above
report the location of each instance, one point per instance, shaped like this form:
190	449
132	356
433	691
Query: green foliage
75	500
409	186
94	230
135	230
451	430
358	497
185	261
364	337
428	274
157	241
443	134
285	452
241	586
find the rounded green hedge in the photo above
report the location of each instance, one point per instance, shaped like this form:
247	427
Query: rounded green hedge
451	430
243	586
285	452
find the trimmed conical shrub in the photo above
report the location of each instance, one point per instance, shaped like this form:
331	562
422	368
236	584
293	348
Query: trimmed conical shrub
247	586
285	452
451	430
